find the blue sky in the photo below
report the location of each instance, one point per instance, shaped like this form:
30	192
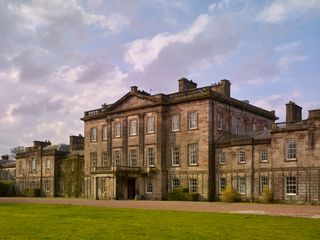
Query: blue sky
61	58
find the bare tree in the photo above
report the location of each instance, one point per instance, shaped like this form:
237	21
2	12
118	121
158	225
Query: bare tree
15	150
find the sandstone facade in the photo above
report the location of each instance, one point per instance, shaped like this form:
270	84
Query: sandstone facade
142	146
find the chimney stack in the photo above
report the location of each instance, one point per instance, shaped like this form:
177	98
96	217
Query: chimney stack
185	84
293	112
76	143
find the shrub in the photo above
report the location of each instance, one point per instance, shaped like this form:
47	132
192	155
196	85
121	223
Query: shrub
33	192
229	195
5	187
267	196
180	194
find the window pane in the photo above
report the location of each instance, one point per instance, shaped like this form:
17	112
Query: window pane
150	157
133	127
193	154
133	157
222	158
242	185
192	121
175	156
264	155
150	124
117	130
223	184
291	185
193	185
175	123
104	133
175	183
242	156
94	134
291	149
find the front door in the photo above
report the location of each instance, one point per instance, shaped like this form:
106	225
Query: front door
131	188
101	188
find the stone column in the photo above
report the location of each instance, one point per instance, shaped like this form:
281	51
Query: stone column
141	161
124	142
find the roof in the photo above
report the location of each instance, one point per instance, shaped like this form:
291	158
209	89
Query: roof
248	138
174	98
7	164
58	147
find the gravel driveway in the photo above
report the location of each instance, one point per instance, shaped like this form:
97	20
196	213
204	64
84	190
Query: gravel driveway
245	208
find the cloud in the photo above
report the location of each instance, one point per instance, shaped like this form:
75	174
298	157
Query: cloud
281	10
287	60
288	46
140	53
37	14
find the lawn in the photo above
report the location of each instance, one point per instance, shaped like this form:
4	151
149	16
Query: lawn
36	221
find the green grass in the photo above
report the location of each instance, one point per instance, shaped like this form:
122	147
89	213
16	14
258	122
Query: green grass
36	221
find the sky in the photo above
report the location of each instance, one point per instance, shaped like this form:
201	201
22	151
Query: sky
61	58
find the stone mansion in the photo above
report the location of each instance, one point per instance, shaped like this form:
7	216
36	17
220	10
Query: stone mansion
143	146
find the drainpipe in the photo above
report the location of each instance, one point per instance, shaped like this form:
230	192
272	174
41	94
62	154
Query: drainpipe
41	171
252	169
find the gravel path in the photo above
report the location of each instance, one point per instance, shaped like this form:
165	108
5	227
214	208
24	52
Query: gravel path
243	208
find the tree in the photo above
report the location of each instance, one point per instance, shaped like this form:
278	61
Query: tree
15	150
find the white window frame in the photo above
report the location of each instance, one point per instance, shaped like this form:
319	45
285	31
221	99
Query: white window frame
149	187
193	154
104	159
21	170
264	183
133	157
134	127
222	158
48	163
242	185
93	160
117	129
193	185
116	157
175	156
93	134
242	156
47	186
175	183
192	120
150	155
33	165
219	124
264	155
222	184
291	186
151	123
104	133
175	123
291	149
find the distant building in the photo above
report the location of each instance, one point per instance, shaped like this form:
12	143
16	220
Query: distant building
7	168
142	146
43	166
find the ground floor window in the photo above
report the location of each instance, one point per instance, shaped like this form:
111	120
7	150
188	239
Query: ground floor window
47	186
264	184
193	185
175	183
223	184
242	185
149	186
291	185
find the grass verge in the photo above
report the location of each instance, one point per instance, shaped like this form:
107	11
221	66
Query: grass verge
37	221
